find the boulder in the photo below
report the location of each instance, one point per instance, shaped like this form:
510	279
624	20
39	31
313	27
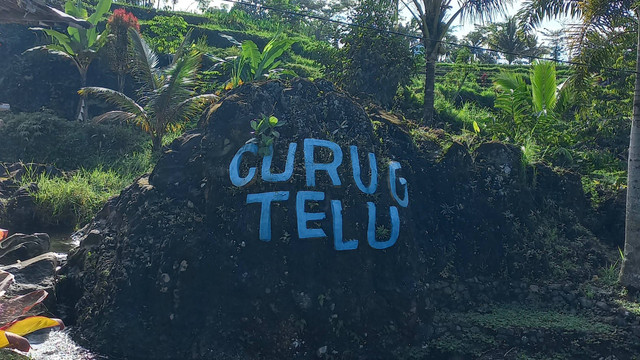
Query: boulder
232	250
21	247
38	273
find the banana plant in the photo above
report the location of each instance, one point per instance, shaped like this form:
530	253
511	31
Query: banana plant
253	65
78	45
166	97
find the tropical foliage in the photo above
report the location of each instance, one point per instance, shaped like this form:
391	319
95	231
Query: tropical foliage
533	109
19	315
372	63
166	33
435	18
79	45
168	100
118	27
253	65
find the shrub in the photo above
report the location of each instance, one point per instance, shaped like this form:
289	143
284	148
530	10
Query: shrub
165	33
45	138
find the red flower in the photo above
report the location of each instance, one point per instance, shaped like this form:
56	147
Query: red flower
123	18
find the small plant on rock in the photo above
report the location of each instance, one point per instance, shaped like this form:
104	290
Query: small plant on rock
265	133
253	65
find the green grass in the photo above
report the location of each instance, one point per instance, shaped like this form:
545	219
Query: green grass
631	306
513	317
72	200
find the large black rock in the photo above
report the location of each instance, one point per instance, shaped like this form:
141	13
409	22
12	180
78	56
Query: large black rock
174	267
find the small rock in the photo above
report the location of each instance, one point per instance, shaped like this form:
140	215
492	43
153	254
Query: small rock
602	305
585	303
321	351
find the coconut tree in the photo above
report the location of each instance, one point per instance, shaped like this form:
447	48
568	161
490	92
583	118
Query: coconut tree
79	45
506	37
166	97
435	18
605	22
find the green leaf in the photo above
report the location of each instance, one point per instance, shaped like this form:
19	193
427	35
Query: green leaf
60	38
271	52
273	121
476	128
254	124
101	9
74	33
251	55
543	86
75	9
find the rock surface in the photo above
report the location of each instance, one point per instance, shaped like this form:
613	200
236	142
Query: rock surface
21	247
38	273
174	267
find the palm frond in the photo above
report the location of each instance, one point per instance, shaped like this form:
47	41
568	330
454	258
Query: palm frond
53	50
192	107
116	116
482	9
533	12
179	77
145	60
508	81
183	48
543	86
115	98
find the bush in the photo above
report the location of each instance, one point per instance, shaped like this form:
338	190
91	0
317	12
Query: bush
45	138
165	33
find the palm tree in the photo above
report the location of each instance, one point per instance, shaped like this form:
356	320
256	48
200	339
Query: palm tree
79	45
167	93
435	18
556	39
506	37
611	19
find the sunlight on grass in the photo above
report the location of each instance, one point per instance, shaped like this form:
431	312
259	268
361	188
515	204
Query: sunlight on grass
75	198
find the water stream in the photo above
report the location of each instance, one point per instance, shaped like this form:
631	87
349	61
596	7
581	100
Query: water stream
58	345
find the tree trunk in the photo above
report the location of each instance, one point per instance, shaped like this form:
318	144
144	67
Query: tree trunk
156	144
630	272
121	80
429	90
82	113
